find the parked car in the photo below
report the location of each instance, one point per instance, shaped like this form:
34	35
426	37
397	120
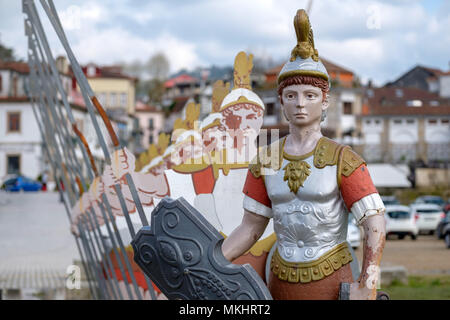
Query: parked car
353	233
401	222
389	200
447	208
440	228
22	183
427	216
431	200
447	235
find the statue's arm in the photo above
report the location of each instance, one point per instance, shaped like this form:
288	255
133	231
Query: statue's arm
245	235
373	244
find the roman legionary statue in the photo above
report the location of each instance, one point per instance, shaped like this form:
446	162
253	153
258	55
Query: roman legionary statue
308	184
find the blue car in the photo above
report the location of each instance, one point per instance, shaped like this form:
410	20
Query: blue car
22	183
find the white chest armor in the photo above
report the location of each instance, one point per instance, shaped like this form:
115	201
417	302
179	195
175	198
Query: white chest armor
311	222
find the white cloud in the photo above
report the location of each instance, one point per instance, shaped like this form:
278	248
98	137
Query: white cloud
116	44
212	32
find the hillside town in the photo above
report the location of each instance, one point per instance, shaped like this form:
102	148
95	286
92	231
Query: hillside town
401	127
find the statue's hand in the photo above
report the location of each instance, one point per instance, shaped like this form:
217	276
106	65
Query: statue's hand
123	162
362	292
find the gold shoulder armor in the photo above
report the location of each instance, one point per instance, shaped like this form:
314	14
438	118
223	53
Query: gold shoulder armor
326	153
349	162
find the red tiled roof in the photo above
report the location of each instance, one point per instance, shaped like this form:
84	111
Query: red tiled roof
14	99
181	79
106	72
437	72
180	102
384	101
21	67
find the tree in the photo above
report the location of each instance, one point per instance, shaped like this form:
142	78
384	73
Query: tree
6	54
158	70
158	66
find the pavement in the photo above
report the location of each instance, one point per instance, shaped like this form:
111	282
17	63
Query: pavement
36	245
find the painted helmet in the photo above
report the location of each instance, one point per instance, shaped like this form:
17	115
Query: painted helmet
304	57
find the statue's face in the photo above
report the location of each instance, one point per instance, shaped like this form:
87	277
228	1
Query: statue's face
243	117
294	172
303	104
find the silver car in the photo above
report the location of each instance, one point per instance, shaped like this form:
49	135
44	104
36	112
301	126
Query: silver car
427	216
401	222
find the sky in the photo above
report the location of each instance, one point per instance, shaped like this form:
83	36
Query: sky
377	40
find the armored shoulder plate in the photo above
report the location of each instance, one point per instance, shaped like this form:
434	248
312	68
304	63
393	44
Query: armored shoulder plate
349	162
326	153
181	253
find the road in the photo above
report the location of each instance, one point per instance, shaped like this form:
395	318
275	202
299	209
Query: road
35	244
34	237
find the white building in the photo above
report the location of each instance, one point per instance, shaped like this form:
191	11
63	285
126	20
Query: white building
20	141
405	124
21	146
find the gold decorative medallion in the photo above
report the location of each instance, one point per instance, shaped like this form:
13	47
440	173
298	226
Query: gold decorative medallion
296	172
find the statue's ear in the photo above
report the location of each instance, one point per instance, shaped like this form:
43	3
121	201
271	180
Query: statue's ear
325	102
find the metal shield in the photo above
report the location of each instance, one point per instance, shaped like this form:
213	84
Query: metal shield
181	253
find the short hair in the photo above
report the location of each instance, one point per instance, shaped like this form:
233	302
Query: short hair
314	81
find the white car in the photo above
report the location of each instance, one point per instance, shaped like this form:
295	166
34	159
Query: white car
401	222
353	233
427	216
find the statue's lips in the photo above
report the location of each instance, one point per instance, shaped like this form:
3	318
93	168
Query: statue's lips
300	115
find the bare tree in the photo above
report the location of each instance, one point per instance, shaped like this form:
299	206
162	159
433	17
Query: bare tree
158	69
158	66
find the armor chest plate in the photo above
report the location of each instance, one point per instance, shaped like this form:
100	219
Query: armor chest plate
312	221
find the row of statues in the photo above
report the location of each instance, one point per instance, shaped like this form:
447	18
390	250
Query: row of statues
296	191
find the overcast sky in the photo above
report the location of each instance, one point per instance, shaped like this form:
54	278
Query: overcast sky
377	40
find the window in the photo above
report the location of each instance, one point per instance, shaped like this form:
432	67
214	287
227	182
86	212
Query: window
433	103
399	93
13	124
348	108
432	121
377	121
410	121
1	85
14	86
123	99
270	107
368	121
102	98
398	121
150	139
13	164
91	72
414	103
150	124
113	99
445	121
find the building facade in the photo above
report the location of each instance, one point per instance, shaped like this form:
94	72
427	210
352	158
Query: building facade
400	125
20	141
151	123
